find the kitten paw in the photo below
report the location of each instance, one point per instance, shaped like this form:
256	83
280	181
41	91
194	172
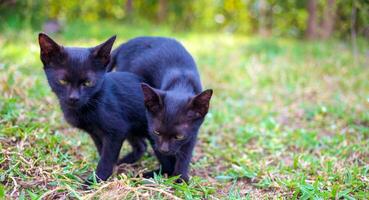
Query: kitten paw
182	179
151	173
148	174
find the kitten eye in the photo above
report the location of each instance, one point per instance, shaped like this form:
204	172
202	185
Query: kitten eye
179	137
87	83
157	132
62	82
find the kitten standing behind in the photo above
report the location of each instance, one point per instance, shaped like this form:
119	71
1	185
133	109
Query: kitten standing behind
175	103
108	106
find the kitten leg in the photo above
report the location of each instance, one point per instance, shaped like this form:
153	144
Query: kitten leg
139	147
166	165
109	156
183	160
97	142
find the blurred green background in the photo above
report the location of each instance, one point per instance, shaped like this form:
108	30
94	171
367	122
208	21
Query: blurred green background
292	18
289	118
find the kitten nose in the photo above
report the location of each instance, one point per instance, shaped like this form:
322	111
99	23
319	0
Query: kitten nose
164	148
73	97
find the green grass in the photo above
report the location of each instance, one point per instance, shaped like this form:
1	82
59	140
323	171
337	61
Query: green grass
289	119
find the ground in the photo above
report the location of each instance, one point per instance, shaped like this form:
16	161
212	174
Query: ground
289	119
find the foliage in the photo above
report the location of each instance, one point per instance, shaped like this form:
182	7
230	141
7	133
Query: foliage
289	119
282	17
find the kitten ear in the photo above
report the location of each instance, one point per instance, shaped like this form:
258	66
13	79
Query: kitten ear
152	98
102	51
49	48
200	103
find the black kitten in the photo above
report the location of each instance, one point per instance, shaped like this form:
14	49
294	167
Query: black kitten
108	106
176	109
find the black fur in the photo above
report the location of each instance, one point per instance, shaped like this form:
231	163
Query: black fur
175	103
108	106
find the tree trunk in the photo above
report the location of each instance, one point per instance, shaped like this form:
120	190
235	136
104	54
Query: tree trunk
128	7
162	10
263	31
328	19
311	31
353	33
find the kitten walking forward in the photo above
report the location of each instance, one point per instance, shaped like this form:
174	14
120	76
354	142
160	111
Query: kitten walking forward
108	106
174	100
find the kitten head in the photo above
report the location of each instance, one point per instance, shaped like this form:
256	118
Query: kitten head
74	74
174	118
